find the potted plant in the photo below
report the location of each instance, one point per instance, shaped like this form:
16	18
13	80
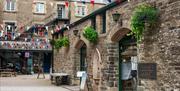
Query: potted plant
90	34
144	15
61	42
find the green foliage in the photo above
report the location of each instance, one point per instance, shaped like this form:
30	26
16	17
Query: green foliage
90	34
142	14
61	42
65	41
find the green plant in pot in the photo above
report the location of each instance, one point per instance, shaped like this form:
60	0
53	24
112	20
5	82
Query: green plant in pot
90	34
143	15
58	44
64	41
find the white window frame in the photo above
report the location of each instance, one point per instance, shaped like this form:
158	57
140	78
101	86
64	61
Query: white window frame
10	5
81	14
37	4
63	10
9	21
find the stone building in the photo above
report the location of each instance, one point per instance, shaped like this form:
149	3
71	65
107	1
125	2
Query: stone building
102	61
27	22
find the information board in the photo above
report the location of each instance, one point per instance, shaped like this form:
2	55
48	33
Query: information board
147	71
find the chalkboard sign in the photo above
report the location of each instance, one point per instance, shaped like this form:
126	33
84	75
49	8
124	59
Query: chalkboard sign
147	71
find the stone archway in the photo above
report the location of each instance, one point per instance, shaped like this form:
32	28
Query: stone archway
79	44
127	52
119	34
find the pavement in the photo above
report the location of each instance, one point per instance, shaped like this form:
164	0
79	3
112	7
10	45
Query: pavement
31	83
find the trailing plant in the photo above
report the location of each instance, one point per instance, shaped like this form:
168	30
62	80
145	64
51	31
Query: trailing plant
90	34
65	41
143	14
61	42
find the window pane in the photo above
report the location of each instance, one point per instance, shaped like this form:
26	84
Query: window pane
7	5
83	10
40	7
12	5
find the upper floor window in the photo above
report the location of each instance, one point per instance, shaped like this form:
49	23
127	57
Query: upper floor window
10	26
40	7
10	30
61	11
81	10
10	5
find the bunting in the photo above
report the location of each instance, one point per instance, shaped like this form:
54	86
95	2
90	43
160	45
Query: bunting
92	2
66	3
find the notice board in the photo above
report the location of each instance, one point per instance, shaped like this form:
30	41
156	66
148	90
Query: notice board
147	71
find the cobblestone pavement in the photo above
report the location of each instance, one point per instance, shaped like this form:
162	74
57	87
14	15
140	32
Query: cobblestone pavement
31	83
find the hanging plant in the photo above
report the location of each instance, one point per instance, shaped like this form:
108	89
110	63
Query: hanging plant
143	14
90	34
65	41
61	42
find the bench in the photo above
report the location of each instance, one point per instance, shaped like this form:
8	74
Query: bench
7	73
60	78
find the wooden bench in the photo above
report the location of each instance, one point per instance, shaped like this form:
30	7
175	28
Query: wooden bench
7	73
59	78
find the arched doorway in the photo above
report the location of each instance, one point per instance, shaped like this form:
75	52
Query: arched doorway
127	54
83	53
127	63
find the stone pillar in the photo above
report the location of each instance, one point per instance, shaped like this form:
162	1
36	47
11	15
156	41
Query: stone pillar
110	69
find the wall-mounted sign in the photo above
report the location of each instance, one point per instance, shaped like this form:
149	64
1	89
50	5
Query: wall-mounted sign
83	81
80	73
147	71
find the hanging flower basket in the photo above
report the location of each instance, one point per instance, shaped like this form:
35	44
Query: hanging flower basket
143	15
90	34
61	42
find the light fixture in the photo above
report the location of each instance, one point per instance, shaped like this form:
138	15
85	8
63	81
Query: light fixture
116	16
76	33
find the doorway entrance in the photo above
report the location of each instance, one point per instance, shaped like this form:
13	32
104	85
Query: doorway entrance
127	60
83	54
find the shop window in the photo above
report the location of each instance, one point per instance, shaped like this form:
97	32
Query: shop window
81	10
10	5
39	7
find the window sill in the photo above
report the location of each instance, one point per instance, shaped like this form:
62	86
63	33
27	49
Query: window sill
102	34
39	13
9	11
79	16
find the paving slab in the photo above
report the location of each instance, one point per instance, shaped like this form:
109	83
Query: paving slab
31	83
